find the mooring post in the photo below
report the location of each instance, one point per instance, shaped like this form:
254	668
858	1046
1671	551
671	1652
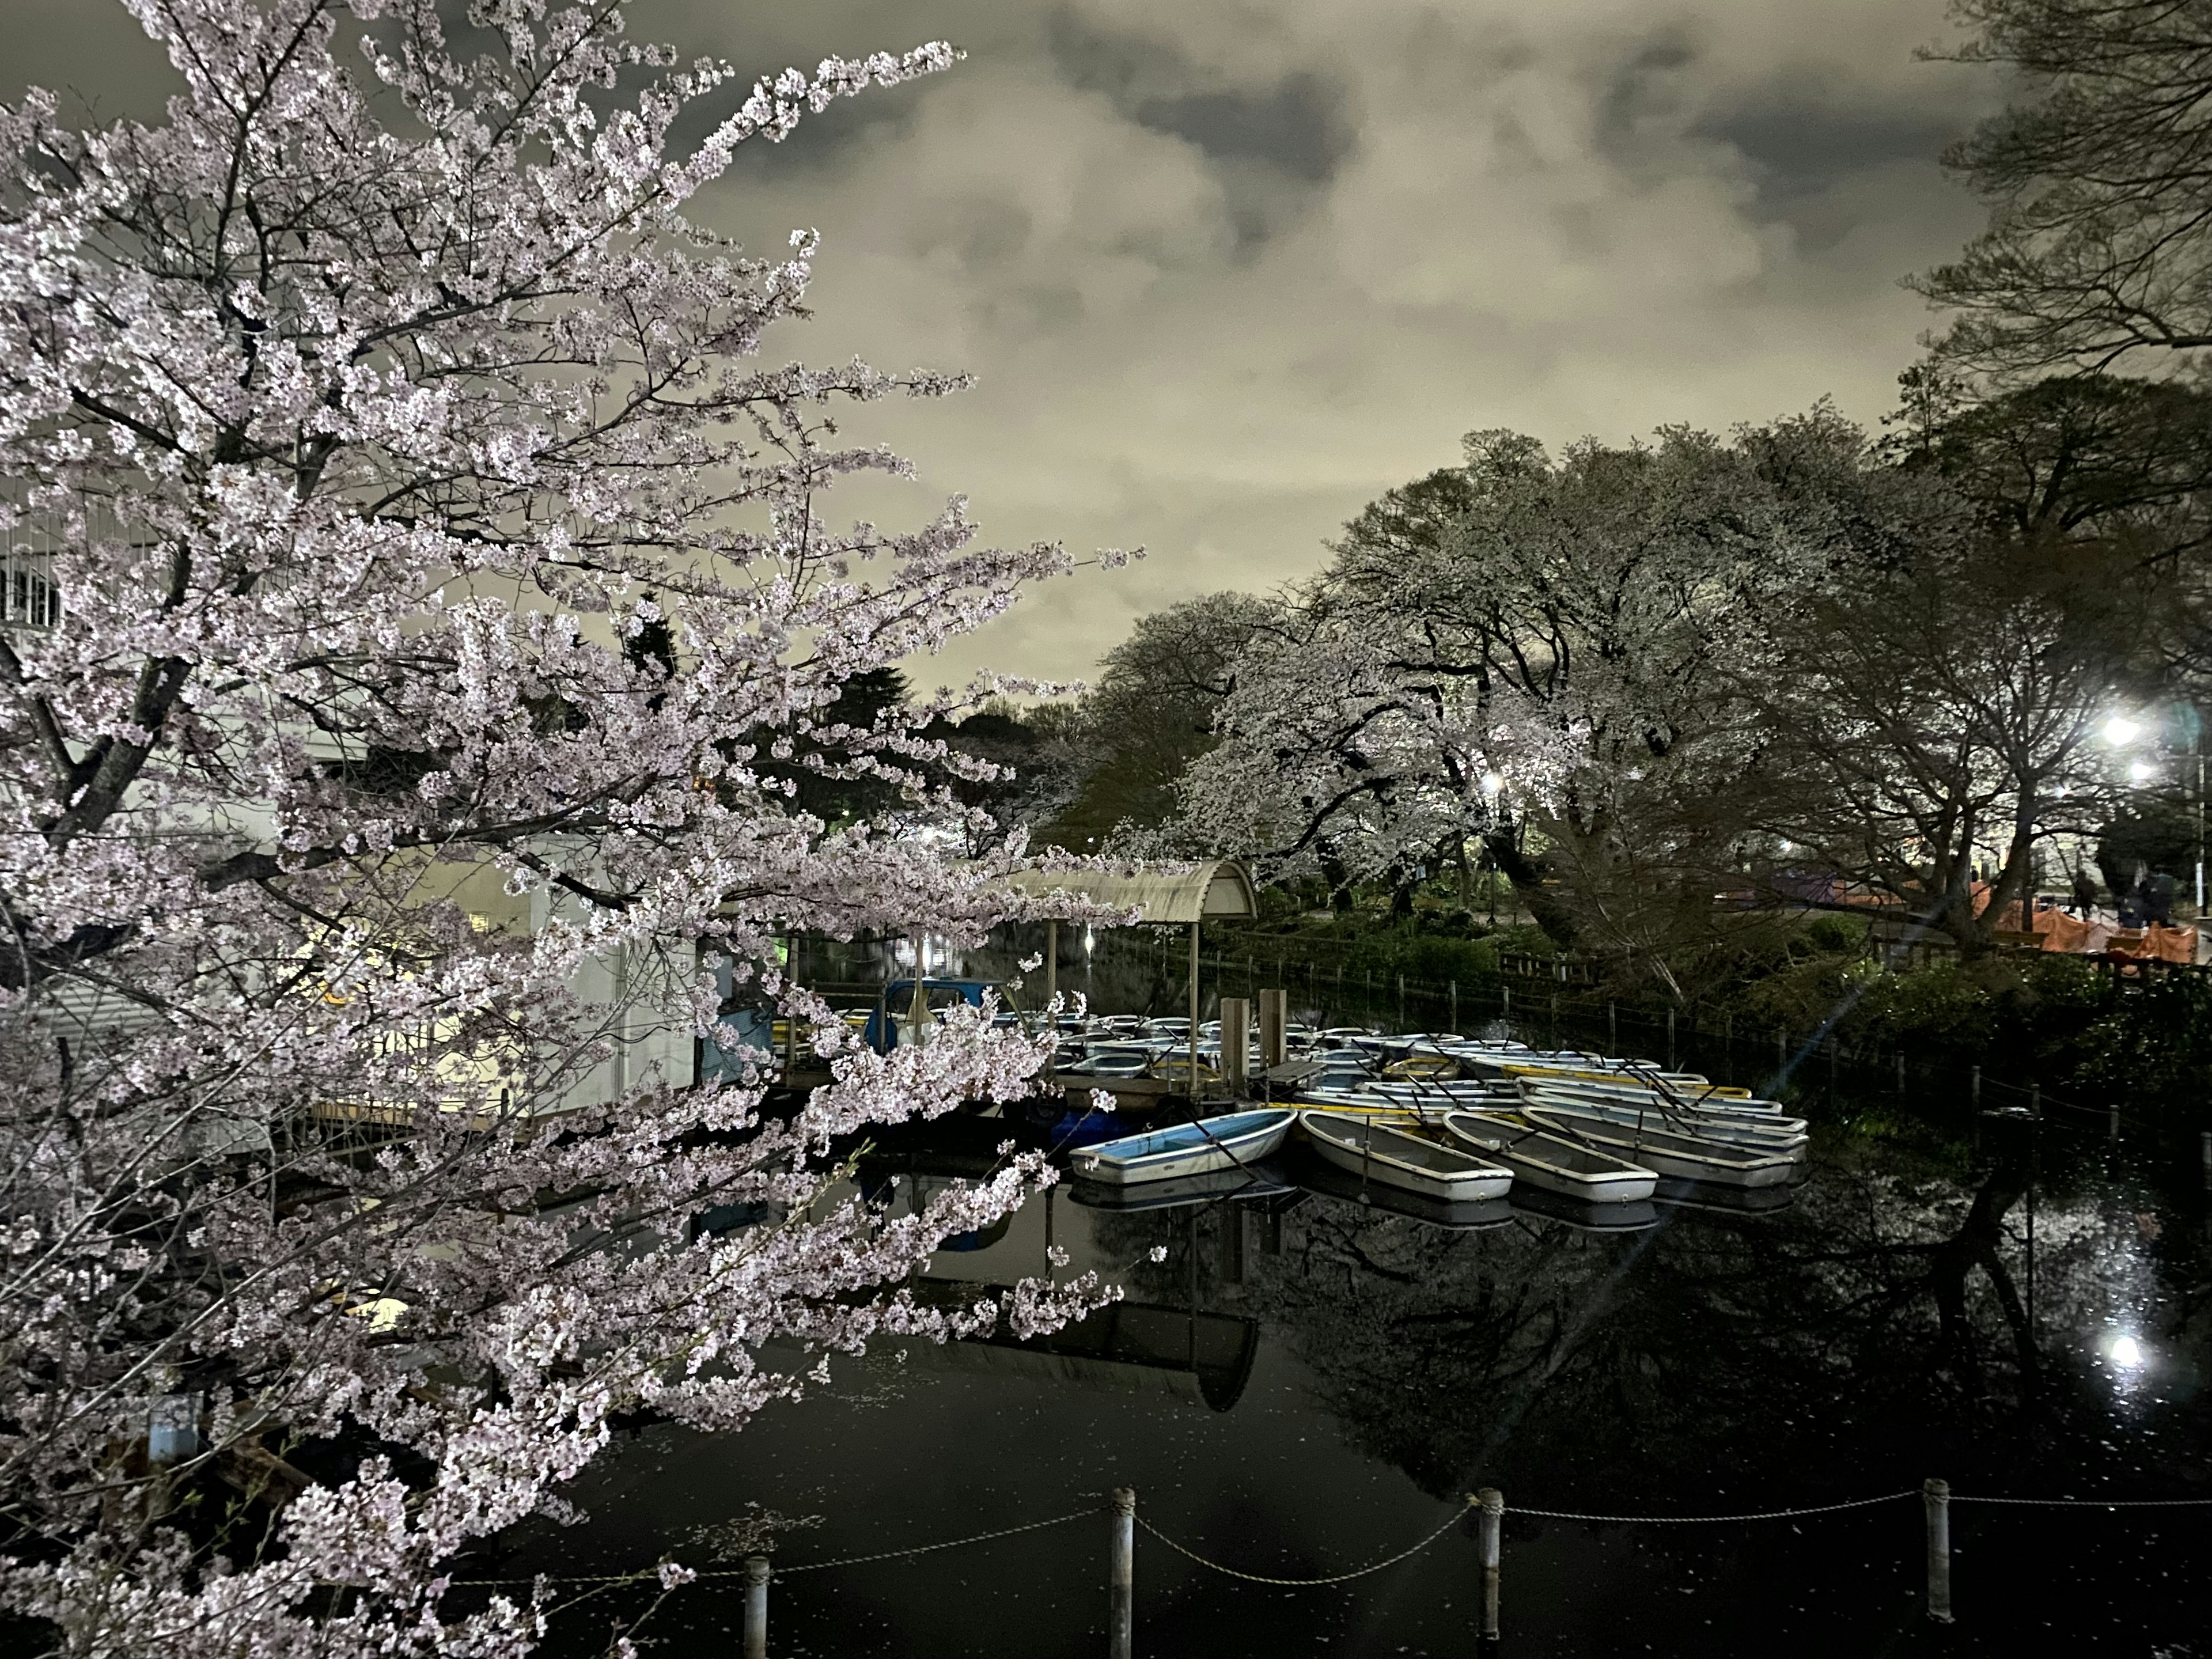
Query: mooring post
1122	1575
757	1607
1235	1046
1670	1036
1611	1027
2035	1098
1489	1518
1454	1005
2205	1146
1507	1012
1935	1495
1978	1085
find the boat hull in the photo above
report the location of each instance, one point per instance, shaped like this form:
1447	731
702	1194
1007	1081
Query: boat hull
1232	1142
1389	1157
1552	1164
1725	1164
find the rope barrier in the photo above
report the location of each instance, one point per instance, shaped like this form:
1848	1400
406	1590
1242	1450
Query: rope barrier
919	1549
650	1574
2093	1503
1334	1579
1694	1520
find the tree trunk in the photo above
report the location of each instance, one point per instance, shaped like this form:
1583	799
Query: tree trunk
1527	875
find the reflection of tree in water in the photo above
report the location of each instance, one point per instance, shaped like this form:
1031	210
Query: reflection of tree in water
1880	1311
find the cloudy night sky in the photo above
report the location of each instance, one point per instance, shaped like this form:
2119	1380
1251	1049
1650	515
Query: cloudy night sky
1225	271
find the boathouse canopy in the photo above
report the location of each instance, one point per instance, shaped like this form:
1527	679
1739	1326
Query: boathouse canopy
1209	893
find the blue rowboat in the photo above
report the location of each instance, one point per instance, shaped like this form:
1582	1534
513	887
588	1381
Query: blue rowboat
1187	1149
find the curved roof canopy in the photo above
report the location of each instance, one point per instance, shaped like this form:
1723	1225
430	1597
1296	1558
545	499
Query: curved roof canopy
1208	892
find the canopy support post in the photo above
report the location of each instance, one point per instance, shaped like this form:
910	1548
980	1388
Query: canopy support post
1193	1017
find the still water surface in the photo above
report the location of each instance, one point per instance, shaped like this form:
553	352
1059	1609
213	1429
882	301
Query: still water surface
1309	1382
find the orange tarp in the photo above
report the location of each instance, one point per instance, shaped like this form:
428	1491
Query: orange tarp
2061	931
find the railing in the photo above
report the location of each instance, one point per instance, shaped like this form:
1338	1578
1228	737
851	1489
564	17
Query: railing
1486	1507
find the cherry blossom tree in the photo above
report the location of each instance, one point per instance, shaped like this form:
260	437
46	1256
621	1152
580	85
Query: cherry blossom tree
444	597
1344	749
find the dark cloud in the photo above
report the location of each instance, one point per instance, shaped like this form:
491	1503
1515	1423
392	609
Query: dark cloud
1646	89
1297	123
1801	138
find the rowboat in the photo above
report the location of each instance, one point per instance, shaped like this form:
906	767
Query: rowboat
1543	1158
1786	1135
1187	1149
1669	1152
1392	1157
1629	1087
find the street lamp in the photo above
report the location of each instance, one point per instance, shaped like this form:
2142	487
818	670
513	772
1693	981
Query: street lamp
2120	731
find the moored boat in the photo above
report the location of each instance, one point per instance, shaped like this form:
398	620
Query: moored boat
1669	1152
1544	1158
1234	1140
1393	1157
1785	1135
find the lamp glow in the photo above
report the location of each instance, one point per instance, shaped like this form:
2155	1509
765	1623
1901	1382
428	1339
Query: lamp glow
2141	772
2126	1352
1491	783
2120	731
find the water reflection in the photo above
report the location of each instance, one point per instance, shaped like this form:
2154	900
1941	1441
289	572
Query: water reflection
1309	1369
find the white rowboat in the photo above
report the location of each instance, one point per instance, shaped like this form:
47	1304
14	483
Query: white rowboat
1392	1157
1682	1157
1552	1162
1785	1135
1187	1149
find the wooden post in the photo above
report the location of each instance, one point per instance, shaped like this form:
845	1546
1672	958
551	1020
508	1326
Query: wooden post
1454	1005
1274	1025
757	1607
1488	1519
1051	969
1122	1575
2204	1146
921	1009
1194	1014
2035	1098
1236	1039
1935	1496
791	1015
1611	1027
1670	1039
1507	1010
1900	1071
1977	1087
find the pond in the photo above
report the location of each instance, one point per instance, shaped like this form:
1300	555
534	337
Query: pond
1307	1384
